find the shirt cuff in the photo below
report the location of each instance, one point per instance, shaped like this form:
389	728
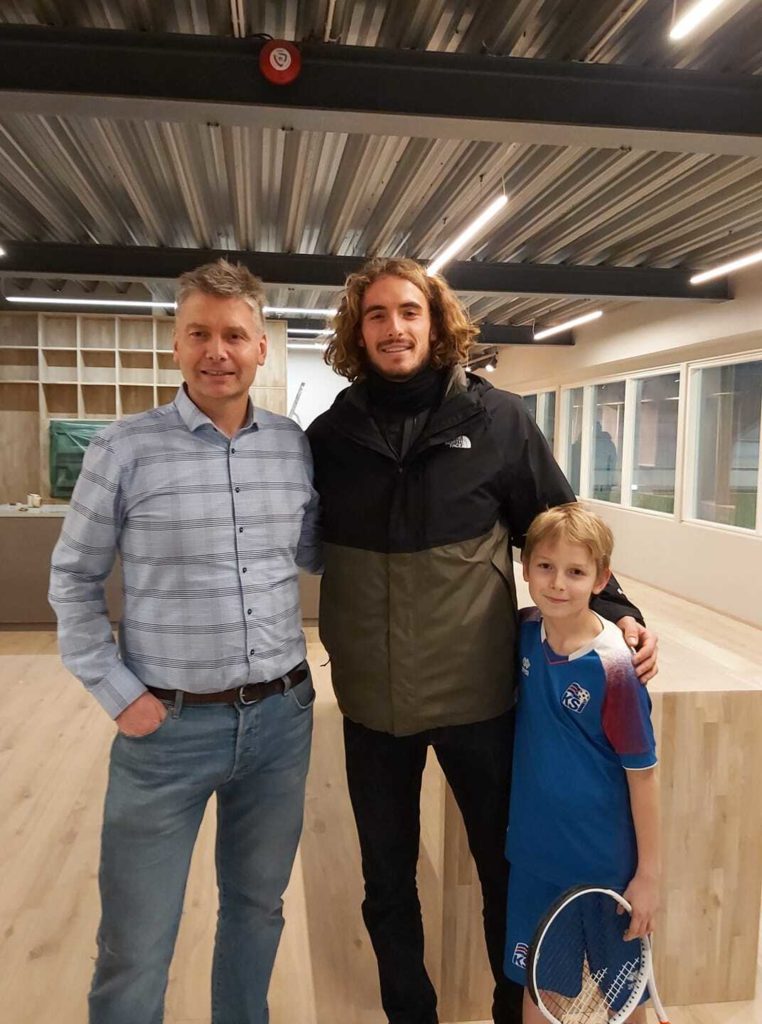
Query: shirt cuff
117	690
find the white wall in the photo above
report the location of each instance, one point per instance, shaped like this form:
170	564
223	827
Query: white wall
712	566
321	384
644	334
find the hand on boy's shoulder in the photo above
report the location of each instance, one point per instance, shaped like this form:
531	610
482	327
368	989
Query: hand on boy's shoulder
644	643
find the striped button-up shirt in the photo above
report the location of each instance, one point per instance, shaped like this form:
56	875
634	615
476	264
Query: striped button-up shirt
210	532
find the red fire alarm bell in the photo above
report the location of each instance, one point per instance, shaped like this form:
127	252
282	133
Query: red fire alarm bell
280	62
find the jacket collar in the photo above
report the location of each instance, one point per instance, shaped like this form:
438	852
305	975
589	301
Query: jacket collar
460	405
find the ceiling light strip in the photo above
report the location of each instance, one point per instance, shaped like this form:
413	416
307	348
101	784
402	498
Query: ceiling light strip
462	240
297	311
727	268
693	17
549	332
144	303
58	301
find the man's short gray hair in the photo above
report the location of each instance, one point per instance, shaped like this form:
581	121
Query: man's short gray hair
225	280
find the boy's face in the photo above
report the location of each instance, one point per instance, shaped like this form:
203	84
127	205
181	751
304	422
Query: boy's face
561	577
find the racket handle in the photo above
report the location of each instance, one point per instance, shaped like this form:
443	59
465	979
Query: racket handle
654	992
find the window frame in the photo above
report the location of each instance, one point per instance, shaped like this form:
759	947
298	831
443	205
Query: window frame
693	422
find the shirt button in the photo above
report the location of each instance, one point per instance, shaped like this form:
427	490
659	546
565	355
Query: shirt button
244	569
251	651
248	611
232	451
237	489
240	529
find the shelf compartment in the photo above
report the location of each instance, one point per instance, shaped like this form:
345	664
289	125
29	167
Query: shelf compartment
135	398
60	400
135	334
98	367
135	367
98	402
58	331
58	366
97	332
19	397
167	372
165	335
18	330
165	395
18	364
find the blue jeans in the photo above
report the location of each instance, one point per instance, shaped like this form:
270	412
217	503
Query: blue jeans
255	759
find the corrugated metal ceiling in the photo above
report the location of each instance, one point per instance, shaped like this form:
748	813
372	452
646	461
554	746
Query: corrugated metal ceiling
195	185
605	31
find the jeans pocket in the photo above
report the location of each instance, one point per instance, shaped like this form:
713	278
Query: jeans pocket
303	694
149	735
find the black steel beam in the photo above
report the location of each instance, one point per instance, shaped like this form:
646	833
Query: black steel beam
509	334
417	86
139	263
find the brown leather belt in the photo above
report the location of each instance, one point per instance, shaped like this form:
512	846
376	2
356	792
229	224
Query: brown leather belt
251	693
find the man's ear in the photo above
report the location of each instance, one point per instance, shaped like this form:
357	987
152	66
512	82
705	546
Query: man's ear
603	577
262	350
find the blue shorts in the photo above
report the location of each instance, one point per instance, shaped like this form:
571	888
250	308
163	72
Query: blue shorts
529	899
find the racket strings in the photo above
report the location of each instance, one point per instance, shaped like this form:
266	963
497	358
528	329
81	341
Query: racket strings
584	970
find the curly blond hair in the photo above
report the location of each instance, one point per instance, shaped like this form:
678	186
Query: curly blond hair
454	332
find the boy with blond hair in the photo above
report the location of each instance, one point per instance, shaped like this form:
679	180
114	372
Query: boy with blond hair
584	800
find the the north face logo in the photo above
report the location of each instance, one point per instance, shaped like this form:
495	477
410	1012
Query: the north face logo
460	442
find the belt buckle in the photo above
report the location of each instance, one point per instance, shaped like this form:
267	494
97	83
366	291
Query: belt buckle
242	699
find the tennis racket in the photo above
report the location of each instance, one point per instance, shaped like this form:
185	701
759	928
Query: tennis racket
580	969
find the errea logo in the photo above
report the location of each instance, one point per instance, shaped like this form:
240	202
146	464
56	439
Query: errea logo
459	442
520	955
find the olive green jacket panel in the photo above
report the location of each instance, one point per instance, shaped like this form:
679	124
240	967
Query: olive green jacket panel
424	639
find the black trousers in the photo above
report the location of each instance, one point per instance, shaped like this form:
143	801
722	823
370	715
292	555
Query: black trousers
384	775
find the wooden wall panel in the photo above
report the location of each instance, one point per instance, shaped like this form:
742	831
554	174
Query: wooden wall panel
19	442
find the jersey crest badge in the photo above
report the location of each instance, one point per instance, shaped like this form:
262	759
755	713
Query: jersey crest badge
526	664
459	442
575	697
520	955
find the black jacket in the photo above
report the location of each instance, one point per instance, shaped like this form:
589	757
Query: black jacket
418	603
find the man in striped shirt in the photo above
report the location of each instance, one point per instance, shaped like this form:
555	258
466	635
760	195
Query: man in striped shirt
211	507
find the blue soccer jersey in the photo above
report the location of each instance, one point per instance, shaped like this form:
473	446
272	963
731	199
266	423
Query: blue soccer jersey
581	721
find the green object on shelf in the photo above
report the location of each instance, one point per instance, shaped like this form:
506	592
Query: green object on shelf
68	442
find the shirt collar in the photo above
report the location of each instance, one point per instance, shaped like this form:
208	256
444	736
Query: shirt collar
193	417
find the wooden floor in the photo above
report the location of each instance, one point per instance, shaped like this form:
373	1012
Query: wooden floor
53	749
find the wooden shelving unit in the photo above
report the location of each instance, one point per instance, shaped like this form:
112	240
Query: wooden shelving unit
74	367
96	367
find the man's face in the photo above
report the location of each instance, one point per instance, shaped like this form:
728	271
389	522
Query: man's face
396	328
219	343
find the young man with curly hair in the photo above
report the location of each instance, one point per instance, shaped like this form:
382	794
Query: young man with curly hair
426	476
